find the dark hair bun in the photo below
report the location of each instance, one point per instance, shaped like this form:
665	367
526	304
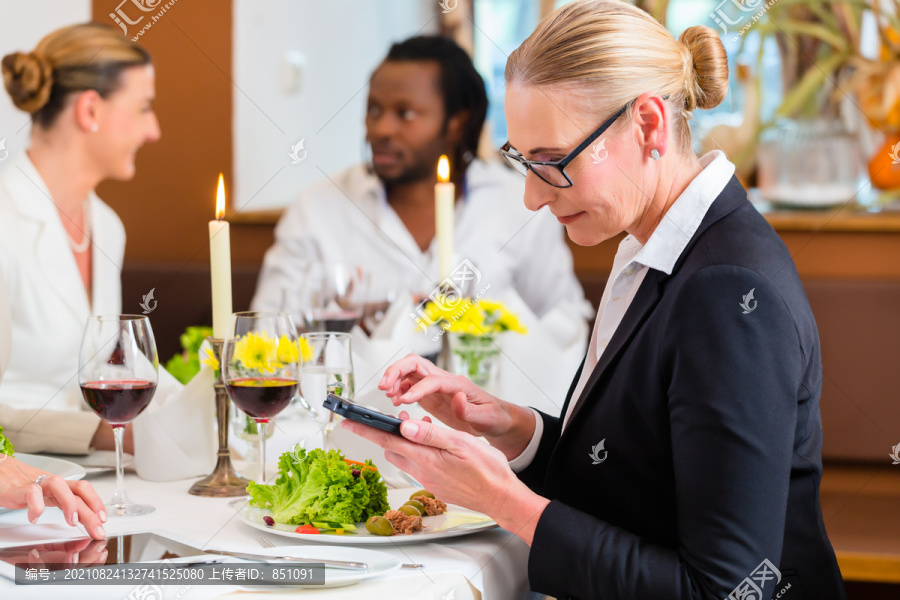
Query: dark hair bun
28	79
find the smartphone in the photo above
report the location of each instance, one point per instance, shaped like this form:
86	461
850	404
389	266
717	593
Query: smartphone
361	414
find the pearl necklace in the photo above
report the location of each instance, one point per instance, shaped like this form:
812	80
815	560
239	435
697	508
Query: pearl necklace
86	240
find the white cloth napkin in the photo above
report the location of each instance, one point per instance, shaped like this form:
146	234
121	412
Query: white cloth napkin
395	336
537	368
5	328
175	438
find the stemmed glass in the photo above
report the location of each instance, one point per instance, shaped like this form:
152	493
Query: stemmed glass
382	292
261	368
117	372
329	369
334	296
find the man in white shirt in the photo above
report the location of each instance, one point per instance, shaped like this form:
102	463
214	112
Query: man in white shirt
426	99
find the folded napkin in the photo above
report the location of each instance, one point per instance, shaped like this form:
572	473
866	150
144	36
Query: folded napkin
395	336
5	329
175	438
537	368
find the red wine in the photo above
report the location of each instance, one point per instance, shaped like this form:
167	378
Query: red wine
262	398
118	402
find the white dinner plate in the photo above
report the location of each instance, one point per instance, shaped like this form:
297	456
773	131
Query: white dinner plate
98	461
379	562
455	522
55	466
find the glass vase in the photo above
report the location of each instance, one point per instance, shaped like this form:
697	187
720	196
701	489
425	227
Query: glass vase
808	163
476	357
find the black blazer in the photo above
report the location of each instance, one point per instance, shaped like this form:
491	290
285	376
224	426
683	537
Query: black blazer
694	453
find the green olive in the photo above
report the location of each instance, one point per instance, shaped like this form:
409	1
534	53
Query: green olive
379	526
417	504
412	511
425	493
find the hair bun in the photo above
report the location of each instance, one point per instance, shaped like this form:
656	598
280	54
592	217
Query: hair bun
28	79
706	67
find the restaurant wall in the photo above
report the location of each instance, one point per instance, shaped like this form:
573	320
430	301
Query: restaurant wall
22	25
167	205
301	72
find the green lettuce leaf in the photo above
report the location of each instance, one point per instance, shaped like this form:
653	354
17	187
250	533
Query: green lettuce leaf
6	446
378	502
319	486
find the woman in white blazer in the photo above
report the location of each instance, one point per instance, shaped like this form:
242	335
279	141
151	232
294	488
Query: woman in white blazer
23	486
89	92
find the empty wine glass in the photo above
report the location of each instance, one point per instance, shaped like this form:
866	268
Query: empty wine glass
383	290
261	361
334	296
117	372
296	295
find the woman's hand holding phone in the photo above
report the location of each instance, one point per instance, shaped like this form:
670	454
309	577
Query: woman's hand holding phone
458	403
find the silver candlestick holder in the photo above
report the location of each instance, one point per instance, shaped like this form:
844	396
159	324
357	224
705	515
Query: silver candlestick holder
224	481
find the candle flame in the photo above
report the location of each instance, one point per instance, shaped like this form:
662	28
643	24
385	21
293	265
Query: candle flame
220	199
443	169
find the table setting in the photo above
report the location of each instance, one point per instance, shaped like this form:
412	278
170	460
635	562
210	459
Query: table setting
281	484
205	514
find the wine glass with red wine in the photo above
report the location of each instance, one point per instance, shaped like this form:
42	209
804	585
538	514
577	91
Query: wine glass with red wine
118	373
261	361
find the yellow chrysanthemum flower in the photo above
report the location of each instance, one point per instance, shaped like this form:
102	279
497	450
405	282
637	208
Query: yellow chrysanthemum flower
209	359
287	352
470	321
510	322
306	350
490	305
257	352
480	318
447	308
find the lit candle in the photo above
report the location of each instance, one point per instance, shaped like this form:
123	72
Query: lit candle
444	204
220	266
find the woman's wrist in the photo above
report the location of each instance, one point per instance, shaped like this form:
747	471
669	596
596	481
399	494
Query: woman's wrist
517	437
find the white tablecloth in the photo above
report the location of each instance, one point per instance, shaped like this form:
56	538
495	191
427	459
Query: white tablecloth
489	565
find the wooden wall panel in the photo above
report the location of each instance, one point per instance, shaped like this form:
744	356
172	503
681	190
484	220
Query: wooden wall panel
166	207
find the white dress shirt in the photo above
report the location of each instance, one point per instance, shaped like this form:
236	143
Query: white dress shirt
347	218
630	266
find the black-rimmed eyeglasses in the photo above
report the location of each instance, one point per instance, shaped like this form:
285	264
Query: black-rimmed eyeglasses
554	172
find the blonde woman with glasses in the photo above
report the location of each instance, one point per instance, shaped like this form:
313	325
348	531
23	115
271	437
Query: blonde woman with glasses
687	458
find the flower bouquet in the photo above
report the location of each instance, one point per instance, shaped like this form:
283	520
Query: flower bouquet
473	326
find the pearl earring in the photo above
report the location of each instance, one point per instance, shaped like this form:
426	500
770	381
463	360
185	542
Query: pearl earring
654	154
95	128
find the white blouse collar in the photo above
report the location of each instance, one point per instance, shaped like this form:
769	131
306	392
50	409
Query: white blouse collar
681	221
